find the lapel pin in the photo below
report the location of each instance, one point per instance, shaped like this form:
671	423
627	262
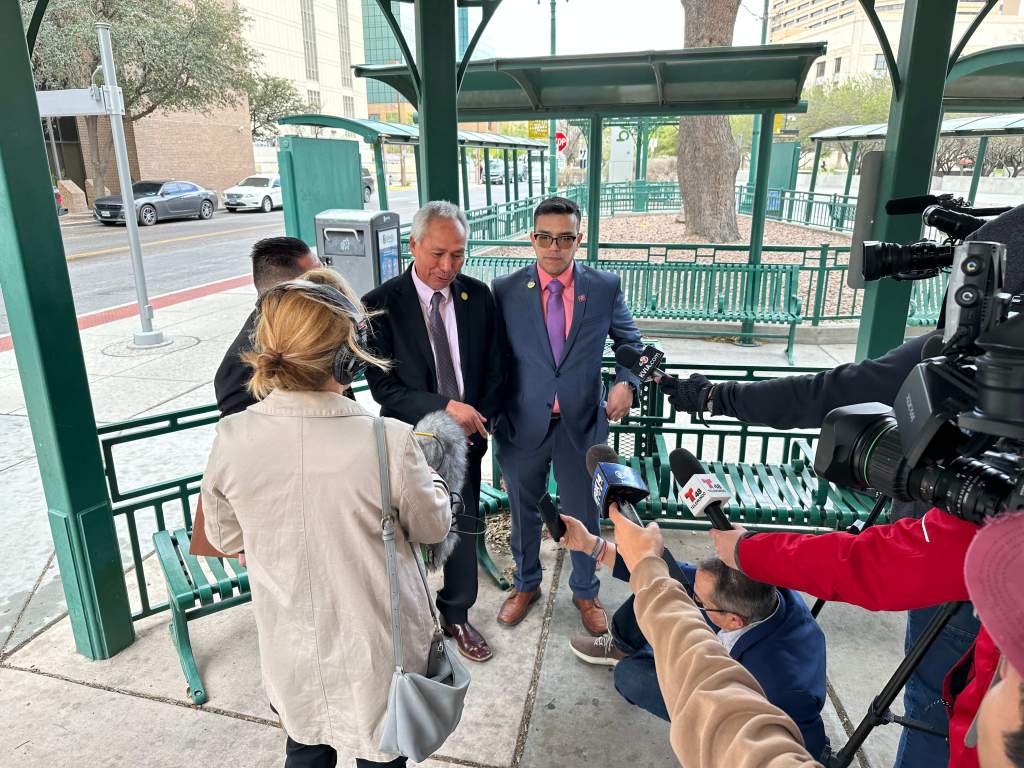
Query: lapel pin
531	284
581	298
464	295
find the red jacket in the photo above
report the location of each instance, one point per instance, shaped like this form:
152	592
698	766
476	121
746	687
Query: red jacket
908	564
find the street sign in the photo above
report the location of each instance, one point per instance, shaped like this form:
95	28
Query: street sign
94	100
780	121
561	141
538	129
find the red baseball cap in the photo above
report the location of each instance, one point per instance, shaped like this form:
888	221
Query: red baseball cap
994	571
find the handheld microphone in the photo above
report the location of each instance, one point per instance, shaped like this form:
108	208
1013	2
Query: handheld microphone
551	519
643	364
619	484
702	493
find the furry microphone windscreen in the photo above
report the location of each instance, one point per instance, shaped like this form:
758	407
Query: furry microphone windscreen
444	446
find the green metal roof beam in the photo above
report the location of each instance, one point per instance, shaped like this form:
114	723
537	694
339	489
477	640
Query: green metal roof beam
987	81
883	40
985	125
969	33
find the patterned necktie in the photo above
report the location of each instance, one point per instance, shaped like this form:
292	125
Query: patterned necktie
556	319
447	383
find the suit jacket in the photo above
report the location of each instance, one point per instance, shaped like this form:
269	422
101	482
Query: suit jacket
534	377
408	391
233	375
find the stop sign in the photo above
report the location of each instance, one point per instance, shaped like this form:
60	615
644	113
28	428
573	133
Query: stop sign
561	141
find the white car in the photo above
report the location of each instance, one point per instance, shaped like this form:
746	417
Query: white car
261	192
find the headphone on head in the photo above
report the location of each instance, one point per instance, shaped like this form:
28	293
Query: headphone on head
347	366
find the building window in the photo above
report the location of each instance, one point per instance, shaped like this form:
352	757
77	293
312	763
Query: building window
309	40
839	65
313	97
879	62
348	106
344	45
821	69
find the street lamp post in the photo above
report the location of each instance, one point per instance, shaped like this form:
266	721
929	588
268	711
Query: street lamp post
552	127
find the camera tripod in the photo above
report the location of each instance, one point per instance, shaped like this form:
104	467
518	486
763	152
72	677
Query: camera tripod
879	712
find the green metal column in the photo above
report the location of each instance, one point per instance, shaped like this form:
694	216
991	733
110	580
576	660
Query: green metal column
529	173
640	185
487	177
814	181
758	122
552	125
758	213
421	192
437	62
914	119
41	313
382	178
465	179
979	163
542	187
594	152
515	172
508	197
851	169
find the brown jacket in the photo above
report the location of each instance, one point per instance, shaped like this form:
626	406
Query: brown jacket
720	717
294	481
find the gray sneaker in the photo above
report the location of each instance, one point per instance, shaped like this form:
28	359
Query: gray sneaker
597	650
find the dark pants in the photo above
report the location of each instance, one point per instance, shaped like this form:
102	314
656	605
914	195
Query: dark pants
636	679
526	474
922	698
322	756
460	570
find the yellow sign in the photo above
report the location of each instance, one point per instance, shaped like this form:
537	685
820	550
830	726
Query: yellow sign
538	129
780	123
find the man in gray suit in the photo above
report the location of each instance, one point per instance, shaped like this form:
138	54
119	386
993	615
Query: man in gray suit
556	316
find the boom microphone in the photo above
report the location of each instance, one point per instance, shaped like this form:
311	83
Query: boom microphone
900	206
702	493
444	447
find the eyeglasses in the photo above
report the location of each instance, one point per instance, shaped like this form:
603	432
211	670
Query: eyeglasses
700	604
564	242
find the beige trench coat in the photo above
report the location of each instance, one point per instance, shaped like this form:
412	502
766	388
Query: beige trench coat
294	482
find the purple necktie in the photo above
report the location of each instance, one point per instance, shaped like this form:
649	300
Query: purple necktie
556	319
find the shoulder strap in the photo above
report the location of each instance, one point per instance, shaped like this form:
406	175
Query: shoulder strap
387	524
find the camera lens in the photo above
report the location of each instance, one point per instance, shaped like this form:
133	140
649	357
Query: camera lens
880	259
878	459
967	488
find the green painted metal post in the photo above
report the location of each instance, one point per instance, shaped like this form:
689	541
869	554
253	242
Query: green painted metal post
852	168
529	173
507	190
758	214
552	125
515	172
640	185
979	164
914	119
41	313
814	181
542	159
382	177
487	177
421	191
594	152
438	111
465	179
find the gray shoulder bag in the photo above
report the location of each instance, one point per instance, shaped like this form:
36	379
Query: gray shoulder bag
423	710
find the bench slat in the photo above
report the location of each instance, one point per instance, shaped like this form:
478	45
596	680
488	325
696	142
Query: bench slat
199	581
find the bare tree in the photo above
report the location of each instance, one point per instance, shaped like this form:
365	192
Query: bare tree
707	155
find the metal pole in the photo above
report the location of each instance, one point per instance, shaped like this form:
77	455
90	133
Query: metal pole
529	173
814	181
757	217
382	179
515	173
439	125
851	169
53	148
508	196
914	120
41	311
594	152
542	159
149	336
755	135
640	185
465	179
979	163
552	125
487	177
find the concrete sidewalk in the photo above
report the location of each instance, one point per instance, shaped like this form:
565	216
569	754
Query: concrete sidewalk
533	705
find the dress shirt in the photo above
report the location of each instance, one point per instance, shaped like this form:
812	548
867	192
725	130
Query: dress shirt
425	294
730	637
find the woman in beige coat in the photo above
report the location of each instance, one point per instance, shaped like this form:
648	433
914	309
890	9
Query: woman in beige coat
293	481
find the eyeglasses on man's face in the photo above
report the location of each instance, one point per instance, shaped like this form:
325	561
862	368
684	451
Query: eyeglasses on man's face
700	604
564	242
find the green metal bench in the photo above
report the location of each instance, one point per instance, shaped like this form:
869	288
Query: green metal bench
926	297
191	594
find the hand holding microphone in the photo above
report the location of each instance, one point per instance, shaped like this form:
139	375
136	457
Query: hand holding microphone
702	493
687	395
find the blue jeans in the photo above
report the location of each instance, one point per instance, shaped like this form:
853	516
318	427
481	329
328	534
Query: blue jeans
635	677
922	697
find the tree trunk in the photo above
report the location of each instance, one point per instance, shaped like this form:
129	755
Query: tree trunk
707	158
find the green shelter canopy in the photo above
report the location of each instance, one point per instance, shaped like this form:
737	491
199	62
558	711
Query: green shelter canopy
737	80
987	81
986	125
373	131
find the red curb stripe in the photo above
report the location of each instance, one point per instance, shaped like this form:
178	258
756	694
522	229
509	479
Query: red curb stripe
103	316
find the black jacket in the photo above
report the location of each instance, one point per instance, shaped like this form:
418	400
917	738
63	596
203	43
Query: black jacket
408	391
230	383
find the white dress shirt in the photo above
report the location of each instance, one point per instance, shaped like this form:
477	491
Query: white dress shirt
447	309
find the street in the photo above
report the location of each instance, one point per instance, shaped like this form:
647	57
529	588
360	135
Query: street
183	254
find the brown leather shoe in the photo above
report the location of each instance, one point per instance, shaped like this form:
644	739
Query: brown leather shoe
595	620
516	606
471	643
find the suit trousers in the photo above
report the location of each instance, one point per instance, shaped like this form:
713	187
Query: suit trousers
526	475
324	756
459	592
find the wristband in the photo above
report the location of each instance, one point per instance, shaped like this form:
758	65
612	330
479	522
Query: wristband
597	548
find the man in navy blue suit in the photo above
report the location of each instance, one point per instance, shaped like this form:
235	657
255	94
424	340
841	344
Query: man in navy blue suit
557	314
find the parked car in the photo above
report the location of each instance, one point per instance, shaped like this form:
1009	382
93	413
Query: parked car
367	186
496	172
59	202
259	192
158	200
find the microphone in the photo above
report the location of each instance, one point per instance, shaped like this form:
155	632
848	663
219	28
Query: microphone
702	493
444	447
643	364
900	206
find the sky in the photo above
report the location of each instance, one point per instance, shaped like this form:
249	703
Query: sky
522	27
